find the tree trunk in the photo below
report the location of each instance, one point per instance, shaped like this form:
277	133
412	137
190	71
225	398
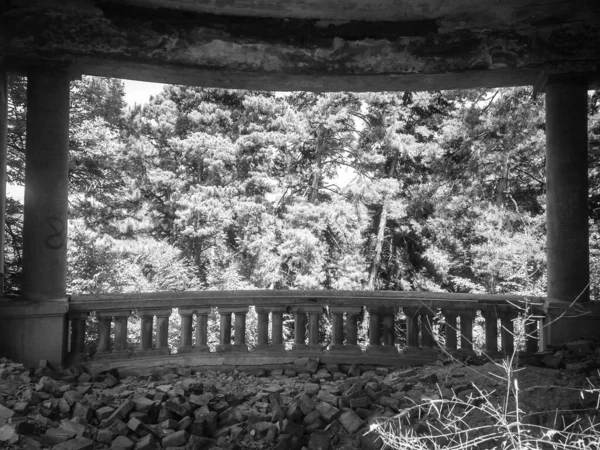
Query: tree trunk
503	183
318	171
373	275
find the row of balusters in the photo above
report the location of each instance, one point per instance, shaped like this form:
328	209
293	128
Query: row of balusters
381	337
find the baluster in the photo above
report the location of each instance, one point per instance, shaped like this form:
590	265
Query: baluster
240	329
277	329
162	331
389	330
532	334
299	328
466	330
412	327
78	335
427	329
147	319
507	333
374	327
225	326
491	332
120	333
185	344
202	330
337	327
104	320
352	313
263	328
450	319
313	327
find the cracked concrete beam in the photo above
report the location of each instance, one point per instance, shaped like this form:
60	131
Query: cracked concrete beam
294	54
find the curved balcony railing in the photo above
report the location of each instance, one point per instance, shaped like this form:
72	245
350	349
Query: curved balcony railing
422	314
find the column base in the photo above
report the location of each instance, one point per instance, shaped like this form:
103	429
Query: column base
185	349
124	354
239	348
224	348
271	348
31	331
382	350
346	349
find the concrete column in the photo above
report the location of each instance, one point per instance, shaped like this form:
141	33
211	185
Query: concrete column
46	184
567	189
507	333
3	161
352	327
78	335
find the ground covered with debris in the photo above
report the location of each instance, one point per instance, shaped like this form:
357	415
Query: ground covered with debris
308	405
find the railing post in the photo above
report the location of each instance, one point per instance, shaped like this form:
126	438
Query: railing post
185	344
225	330
239	343
121	333
337	341
412	327
337	327
450	320
532	334
381	317
262	328
104	320
202	330
507	332
466	330
427	329
352	313
277	328
491	331
78	335
313	327
162	330
147	319
147	323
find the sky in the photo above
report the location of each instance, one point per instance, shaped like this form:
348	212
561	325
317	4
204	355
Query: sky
139	91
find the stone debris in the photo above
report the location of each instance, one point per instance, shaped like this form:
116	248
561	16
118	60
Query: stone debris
312	406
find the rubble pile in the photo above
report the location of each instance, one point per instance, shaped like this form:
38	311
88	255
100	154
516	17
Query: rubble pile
309	405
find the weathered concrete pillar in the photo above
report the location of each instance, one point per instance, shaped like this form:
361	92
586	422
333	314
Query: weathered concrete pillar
35	326
3	161
202	330
567	189
46	184
567	201
450	319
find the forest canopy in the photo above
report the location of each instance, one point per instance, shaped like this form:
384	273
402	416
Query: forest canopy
219	189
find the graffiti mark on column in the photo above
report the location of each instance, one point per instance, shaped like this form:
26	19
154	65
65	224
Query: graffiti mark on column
55	239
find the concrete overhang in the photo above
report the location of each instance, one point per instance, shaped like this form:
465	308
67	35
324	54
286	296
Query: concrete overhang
319	45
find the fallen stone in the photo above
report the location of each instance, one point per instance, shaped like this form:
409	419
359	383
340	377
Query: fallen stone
79	443
320	440
122	443
350	421
6	413
176	439
8	435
